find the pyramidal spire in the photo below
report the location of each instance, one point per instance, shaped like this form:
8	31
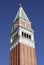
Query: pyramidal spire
21	14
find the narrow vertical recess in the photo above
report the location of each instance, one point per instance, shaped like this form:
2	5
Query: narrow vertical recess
31	55
17	54
29	59
14	57
21	55
34	57
25	54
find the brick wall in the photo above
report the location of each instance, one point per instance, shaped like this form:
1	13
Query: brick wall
22	55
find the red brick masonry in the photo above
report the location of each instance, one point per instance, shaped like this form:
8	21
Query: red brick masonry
22	55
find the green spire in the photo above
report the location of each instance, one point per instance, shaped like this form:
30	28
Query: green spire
21	14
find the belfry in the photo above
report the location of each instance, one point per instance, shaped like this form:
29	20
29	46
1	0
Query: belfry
22	44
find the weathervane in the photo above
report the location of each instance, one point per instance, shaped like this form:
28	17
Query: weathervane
20	5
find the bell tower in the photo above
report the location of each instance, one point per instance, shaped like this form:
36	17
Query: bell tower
22	44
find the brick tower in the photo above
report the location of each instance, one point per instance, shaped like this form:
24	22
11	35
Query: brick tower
22	45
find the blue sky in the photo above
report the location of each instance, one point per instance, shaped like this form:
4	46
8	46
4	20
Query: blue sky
35	12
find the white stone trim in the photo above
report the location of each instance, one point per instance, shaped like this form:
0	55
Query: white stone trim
24	41
27	42
26	31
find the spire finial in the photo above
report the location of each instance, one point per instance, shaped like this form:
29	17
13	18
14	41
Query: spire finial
20	5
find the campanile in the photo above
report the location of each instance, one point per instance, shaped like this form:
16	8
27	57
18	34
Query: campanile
22	44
